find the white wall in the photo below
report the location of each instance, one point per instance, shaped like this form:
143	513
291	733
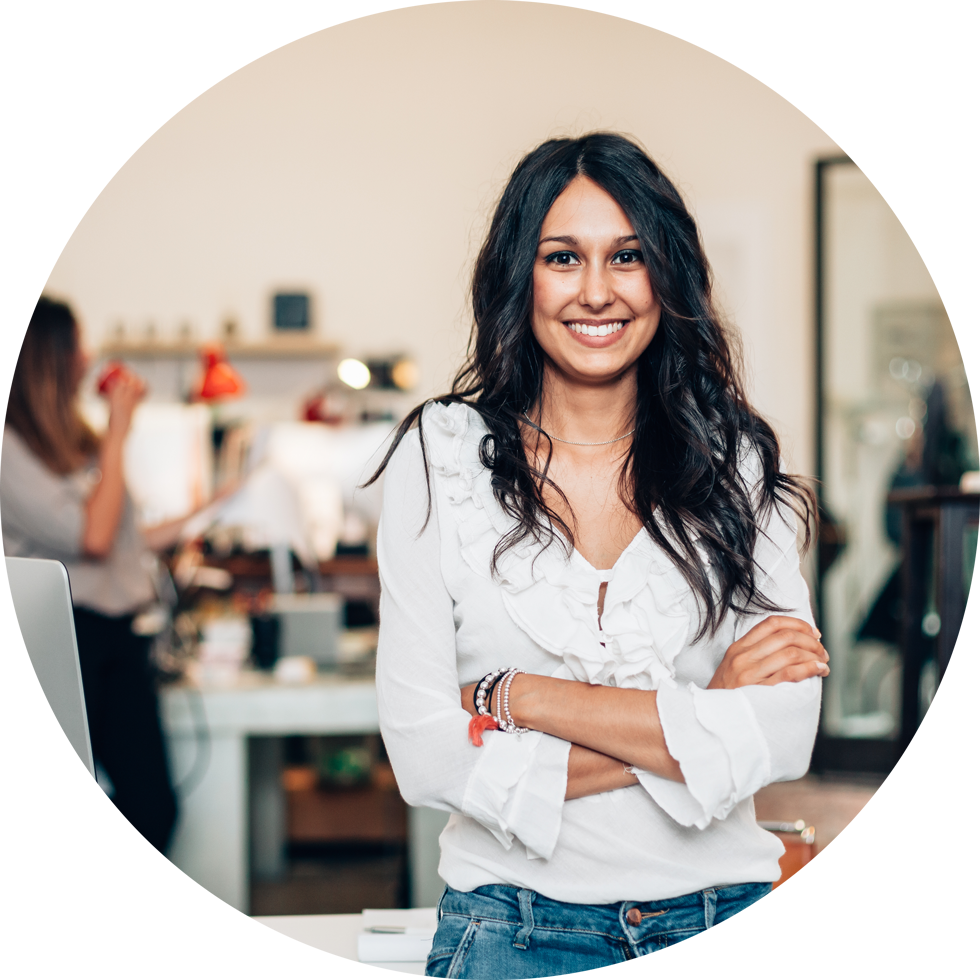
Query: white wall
362	162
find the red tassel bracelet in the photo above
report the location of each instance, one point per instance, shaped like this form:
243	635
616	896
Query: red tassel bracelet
478	725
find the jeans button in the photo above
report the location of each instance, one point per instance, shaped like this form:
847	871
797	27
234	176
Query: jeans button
633	917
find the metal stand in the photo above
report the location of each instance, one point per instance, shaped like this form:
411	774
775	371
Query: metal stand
934	523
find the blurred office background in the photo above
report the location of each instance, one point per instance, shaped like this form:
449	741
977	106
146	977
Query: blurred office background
316	215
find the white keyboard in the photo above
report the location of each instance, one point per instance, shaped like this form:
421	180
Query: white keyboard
165	956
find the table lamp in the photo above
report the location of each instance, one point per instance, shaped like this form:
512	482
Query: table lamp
219	379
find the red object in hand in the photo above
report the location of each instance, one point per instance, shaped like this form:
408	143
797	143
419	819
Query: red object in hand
480	724
111	373
220	379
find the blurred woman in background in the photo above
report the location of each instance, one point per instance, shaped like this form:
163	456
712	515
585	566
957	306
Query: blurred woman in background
63	496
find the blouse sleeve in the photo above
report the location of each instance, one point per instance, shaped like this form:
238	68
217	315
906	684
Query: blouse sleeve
515	784
731	743
43	515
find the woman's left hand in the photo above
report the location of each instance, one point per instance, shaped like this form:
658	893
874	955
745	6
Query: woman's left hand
777	650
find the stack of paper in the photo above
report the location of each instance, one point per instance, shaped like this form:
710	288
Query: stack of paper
837	943
396	935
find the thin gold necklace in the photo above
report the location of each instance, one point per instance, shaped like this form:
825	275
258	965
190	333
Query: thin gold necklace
568	442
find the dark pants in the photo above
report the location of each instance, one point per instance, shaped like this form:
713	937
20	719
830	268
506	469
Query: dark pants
124	722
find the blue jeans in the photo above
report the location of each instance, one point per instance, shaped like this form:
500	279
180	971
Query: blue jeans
500	932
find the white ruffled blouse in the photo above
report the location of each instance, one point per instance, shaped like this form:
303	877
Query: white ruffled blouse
446	621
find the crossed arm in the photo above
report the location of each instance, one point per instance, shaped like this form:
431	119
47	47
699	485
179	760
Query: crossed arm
613	728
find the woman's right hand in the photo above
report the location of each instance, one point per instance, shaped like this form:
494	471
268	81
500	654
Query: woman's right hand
124	394
779	649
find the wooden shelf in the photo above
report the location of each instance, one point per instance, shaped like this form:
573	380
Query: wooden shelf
275	348
318	814
364	814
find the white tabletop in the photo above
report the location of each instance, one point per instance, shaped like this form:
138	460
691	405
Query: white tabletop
258	704
323	947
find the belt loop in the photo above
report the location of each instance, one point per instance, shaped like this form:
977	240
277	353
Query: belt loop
523	938
710	905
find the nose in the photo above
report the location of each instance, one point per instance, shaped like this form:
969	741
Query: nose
596	291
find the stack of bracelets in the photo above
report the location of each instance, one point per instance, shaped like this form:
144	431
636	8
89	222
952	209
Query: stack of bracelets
502	678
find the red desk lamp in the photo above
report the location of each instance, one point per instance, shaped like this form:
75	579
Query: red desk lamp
219	379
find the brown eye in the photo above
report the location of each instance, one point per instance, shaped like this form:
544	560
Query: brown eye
562	259
628	256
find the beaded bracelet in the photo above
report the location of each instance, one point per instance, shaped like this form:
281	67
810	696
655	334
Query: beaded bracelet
488	693
484	690
504	718
485	720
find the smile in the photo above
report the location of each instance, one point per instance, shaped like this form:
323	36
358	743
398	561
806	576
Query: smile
596	329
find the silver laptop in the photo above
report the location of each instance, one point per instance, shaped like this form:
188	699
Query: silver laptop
54	882
55	899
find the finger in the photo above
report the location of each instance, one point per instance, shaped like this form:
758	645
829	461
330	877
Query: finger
788	657
780	641
758	672
773	624
796	673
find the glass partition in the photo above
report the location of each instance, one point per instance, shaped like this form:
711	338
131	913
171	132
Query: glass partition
894	412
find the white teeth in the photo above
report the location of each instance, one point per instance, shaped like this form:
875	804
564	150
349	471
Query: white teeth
593	330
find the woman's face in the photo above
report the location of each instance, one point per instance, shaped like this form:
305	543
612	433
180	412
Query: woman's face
594	310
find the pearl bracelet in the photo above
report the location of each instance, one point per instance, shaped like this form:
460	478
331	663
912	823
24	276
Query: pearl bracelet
480	695
505	719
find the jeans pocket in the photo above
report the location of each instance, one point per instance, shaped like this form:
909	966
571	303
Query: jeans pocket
452	941
785	963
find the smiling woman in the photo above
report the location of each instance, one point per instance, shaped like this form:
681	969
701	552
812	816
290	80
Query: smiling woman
597	503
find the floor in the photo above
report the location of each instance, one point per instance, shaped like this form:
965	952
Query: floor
856	821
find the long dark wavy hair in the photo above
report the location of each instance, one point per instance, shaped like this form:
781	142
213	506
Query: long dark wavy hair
683	475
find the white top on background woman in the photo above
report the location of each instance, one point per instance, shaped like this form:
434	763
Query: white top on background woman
597	505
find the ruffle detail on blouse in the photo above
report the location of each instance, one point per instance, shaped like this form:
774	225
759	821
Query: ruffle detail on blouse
649	608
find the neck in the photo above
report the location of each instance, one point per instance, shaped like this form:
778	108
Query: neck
580	412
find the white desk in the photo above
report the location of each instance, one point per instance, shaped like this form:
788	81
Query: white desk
238	798
324	947
234	818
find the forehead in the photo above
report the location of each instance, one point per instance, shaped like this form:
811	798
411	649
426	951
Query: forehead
584	209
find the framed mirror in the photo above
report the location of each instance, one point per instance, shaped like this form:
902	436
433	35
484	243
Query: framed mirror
894	421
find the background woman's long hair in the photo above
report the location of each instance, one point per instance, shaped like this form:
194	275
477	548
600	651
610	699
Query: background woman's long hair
694	425
42	408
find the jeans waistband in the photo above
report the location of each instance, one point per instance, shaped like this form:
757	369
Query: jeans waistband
528	910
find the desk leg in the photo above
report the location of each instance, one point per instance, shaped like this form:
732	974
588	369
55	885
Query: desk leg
267	809
918	548
211	841
424	828
949	649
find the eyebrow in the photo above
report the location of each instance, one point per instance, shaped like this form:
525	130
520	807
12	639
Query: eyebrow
572	240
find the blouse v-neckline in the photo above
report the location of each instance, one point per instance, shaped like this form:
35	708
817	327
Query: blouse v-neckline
606	574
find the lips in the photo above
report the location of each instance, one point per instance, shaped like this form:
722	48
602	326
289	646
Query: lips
597	334
584	328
